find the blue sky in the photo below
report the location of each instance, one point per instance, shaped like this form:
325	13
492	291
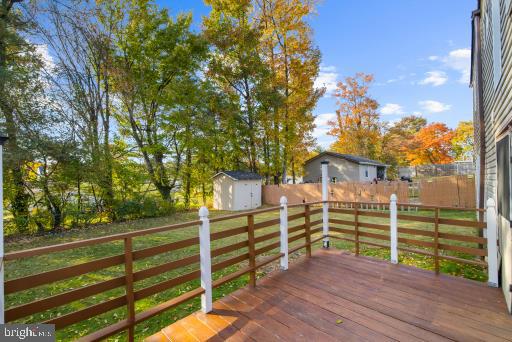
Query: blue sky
418	51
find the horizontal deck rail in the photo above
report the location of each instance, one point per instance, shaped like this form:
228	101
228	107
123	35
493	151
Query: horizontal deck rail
347	221
256	247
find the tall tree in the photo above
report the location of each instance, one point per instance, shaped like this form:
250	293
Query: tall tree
357	127
18	66
81	45
464	141
238	68
397	139
295	61
155	54
431	145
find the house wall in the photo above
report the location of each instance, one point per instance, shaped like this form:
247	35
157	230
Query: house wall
372	173
497	109
223	193
343	170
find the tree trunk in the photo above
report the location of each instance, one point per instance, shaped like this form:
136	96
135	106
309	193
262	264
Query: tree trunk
187	178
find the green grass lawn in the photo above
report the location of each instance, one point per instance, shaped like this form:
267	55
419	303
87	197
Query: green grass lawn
34	265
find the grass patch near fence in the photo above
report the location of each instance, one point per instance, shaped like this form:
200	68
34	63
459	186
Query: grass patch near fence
34	265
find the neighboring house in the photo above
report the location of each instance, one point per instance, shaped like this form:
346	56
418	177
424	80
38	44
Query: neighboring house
491	79
236	190
344	168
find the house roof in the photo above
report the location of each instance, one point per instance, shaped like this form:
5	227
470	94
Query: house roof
349	157
240	175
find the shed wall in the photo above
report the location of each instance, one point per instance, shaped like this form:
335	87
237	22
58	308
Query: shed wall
223	193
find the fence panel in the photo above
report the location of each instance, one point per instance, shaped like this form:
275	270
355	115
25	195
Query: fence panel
344	191
451	191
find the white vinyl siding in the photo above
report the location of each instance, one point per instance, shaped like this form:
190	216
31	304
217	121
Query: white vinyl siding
496	40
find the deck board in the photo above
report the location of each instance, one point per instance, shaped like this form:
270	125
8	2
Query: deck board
336	296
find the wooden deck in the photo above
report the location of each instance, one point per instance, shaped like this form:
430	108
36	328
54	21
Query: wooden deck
337	296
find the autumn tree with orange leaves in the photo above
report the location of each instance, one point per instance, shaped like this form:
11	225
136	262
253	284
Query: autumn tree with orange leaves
357	127
431	145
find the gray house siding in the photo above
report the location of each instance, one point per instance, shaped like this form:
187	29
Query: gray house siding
343	170
497	111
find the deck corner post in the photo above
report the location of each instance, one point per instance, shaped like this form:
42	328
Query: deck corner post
205	260
492	243
283	227
393	229
325	203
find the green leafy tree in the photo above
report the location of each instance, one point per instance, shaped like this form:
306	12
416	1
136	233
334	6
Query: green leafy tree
155	55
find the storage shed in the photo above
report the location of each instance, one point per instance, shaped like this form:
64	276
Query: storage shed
236	190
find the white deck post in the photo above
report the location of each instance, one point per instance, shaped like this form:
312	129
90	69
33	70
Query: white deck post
325	204
492	243
205	260
393	229
2	303
283	227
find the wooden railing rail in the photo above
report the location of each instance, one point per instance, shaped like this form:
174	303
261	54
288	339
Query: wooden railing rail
257	245
346	220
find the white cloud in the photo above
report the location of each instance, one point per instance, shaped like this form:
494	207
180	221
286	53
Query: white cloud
321	129
42	51
328	68
399	78
327	78
432	106
459	60
435	78
392	109
321	123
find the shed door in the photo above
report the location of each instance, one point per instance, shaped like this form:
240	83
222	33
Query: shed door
255	195
244	196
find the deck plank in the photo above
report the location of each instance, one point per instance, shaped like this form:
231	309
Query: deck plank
428	312
335	295
408	290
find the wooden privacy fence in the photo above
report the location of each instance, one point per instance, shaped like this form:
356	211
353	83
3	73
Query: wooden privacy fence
341	220
343	191
453	191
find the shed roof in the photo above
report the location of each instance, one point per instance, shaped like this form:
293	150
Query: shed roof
349	157
240	175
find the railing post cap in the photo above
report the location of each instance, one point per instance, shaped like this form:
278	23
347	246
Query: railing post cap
490	202
283	200
203	212
393	198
